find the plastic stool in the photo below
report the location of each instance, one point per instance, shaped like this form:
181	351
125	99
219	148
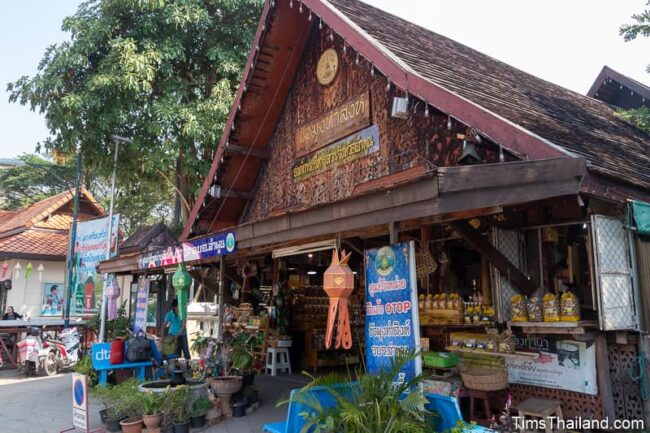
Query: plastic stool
277	359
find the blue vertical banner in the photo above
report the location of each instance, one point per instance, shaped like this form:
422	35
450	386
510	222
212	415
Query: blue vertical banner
141	298
392	319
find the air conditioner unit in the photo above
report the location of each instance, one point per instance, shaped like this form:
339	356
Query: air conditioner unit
400	108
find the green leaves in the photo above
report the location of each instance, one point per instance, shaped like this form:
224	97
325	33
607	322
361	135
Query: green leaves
160	72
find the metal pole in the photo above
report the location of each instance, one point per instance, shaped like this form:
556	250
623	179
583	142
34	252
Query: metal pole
222	284
72	281
102	313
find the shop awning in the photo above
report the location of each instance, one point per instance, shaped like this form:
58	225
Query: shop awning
641	214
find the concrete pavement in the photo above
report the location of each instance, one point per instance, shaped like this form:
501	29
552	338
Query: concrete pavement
44	404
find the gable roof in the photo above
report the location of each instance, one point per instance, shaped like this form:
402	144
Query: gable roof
619	90
528	116
148	237
41	213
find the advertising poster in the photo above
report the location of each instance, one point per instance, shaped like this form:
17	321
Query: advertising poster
562	364
141	306
90	249
392	321
194	249
52	299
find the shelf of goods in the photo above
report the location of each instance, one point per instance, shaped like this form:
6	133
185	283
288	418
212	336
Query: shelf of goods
516	355
310	317
570	328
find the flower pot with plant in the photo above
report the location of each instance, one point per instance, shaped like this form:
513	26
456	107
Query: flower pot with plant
181	412
151	407
200	407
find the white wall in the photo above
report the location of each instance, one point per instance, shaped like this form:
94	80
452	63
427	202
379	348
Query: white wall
27	296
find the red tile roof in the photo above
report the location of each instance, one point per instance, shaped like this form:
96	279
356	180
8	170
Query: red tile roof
35	243
41	210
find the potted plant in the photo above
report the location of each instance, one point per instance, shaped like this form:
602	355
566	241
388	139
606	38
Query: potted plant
242	356
200	407
396	407
167	411
200	343
151	406
114	407
131	397
182	414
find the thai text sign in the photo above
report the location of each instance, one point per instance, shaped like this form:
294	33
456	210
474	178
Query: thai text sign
392	321
141	305
90	249
339	122
562	364
360	144
220	244
79	402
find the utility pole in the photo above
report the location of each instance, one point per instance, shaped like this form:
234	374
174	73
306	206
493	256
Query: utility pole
72	278
102	314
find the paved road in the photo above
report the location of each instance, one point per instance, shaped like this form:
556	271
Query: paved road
44	404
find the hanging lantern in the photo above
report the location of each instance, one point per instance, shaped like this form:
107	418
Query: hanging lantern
338	282
181	281
5	267
40	270
17	269
28	270
112	293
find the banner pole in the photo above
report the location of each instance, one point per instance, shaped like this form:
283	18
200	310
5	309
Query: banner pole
72	281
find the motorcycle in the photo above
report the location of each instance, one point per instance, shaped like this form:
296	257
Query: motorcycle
41	352
62	353
32	352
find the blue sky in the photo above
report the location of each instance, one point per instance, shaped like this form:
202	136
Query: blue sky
563	41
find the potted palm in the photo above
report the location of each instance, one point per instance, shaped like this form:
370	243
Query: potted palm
151	407
396	407
200	407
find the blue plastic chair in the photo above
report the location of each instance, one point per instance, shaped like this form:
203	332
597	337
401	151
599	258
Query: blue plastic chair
295	422
449	413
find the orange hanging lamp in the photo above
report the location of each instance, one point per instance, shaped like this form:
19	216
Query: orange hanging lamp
338	282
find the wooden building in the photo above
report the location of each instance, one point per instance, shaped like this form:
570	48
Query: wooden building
353	127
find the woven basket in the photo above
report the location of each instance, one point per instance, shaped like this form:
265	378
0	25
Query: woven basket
425	264
484	379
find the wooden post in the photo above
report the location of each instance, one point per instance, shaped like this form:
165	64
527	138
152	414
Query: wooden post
222	288
426	233
392	230
604	379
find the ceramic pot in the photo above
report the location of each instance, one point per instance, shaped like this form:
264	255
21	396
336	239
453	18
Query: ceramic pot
224	387
197	421
214	413
182	428
239	409
132	425
102	415
151	421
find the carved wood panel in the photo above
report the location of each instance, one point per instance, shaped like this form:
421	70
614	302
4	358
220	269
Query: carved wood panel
404	143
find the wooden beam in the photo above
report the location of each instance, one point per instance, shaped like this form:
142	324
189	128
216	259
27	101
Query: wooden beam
392	232
494	256
243	150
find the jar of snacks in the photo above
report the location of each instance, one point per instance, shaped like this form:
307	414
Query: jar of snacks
507	342
428	303
569	307
518	309
492	344
421	302
535	310
551	308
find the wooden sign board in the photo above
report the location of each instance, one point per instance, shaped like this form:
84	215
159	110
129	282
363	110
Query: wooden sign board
351	116
343	151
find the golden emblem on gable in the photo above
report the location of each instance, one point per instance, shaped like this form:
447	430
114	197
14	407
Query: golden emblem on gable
328	65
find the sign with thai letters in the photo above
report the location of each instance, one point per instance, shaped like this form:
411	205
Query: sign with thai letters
354	147
337	123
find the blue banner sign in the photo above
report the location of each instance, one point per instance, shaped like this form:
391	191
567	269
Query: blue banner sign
220	244
392	320
101	353
141	304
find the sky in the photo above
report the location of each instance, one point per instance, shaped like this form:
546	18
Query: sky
563	41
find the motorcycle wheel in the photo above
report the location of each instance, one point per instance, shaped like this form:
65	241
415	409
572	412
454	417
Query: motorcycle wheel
50	365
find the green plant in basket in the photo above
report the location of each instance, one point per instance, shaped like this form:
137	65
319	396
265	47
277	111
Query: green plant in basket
201	406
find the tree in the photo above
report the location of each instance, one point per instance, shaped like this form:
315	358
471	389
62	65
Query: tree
159	72
38	178
35	180
641	27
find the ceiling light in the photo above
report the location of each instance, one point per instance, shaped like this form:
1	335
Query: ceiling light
311	272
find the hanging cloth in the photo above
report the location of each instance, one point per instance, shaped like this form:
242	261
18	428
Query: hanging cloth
641	215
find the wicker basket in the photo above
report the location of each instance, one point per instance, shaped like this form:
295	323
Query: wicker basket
425	264
484	379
